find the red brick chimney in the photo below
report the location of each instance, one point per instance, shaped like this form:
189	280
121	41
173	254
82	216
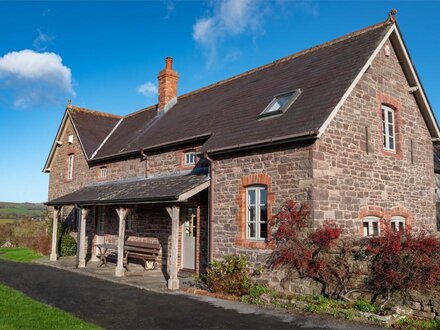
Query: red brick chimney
167	86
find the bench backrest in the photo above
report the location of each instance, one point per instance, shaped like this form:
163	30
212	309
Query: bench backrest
141	247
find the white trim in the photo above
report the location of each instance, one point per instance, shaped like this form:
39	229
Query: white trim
192	192
106	138
415	77
54	144
355	82
386	110
77	135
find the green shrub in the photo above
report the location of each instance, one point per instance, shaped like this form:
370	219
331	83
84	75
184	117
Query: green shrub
415	324
230	276
253	297
365	306
321	303
68	246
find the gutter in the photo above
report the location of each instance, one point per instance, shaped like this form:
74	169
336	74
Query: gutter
211	209
312	134
152	148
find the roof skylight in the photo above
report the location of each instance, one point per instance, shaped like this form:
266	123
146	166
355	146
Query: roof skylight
280	103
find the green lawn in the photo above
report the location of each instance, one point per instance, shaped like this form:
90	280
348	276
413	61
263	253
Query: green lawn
18	311
19	254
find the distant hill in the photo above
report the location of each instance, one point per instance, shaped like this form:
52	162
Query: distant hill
18	211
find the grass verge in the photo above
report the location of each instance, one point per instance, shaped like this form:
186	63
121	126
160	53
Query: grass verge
17	311
19	254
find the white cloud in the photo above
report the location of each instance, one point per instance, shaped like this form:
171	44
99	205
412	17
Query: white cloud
230	18
148	89
170	7
29	78
42	41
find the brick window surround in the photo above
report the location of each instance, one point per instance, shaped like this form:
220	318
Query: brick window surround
394	104
246	181
384	215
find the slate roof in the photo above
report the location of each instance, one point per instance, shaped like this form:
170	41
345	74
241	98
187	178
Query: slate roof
226	112
92	127
158	189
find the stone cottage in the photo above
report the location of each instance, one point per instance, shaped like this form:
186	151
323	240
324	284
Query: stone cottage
345	126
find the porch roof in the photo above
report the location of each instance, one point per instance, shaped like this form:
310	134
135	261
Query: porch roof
171	188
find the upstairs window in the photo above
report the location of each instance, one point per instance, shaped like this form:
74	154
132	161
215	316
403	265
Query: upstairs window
189	158
70	162
388	129
256	213
280	103
103	172
398	223
371	226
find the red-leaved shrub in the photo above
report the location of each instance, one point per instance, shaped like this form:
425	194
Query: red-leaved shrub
318	254
403	261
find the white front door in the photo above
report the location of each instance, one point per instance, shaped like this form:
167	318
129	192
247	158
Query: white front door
189	239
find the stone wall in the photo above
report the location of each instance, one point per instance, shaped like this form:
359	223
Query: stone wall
354	177
287	173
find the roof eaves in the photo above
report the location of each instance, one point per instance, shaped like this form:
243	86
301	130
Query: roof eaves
312	134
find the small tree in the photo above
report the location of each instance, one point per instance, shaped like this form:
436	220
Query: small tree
318	253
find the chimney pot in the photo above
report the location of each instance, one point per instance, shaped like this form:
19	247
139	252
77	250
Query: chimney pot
169	63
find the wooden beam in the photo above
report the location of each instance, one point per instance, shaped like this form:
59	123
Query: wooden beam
53	254
82	238
122	214
173	282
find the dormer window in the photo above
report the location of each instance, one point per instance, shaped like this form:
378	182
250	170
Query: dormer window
189	158
280	103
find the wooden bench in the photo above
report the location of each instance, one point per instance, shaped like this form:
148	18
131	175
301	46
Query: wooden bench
147	252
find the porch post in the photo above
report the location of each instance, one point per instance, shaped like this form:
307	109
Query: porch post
82	238
173	282
122	214
53	254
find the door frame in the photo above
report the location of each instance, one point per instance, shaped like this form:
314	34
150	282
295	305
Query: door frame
197	238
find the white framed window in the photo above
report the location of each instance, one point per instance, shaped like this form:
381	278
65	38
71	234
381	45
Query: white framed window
190	158
103	172
398	223
388	128
371	226
256	213
280	103
70	163
129	221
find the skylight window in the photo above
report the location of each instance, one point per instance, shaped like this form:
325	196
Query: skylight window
280	103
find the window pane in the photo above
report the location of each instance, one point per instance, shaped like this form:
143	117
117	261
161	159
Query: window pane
383	115
391	146
251	213
393	226
366	229
263	213
251	226
390	117
251	197
390	130
375	228
400	226
263	230
263	196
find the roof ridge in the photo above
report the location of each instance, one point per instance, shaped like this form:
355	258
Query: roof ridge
94	112
290	57
151	107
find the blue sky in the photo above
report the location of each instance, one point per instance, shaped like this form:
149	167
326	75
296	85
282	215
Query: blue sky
106	56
